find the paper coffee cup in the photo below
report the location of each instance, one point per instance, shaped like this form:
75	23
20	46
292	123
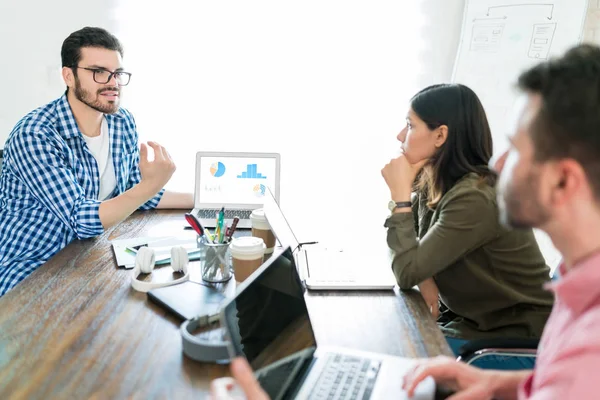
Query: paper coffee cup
246	255
262	229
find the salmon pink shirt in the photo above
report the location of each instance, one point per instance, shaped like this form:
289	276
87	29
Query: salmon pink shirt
568	362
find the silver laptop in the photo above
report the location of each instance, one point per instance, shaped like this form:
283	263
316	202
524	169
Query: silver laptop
236	181
323	269
267	322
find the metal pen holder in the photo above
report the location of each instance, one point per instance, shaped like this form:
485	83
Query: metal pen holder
216	265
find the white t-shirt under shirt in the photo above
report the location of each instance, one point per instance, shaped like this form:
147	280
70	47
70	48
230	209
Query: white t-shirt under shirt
101	150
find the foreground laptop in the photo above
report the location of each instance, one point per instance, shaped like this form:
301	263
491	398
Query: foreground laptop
236	181
331	270
267	322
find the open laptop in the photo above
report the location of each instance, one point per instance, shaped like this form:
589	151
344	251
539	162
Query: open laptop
323	269
236	181
267	322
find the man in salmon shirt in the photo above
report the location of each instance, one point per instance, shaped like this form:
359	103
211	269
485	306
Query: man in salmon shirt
549	179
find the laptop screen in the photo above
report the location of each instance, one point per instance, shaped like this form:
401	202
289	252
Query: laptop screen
235	179
268	321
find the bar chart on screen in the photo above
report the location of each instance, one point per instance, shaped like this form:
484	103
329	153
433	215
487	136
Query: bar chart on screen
251	173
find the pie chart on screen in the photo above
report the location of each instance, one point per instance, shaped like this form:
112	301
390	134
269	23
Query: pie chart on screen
217	169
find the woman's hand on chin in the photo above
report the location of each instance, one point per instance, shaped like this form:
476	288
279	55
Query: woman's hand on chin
399	175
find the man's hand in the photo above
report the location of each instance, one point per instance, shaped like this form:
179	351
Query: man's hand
468	382
243	378
155	174
430	293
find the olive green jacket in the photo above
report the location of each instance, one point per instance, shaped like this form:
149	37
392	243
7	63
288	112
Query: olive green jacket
490	278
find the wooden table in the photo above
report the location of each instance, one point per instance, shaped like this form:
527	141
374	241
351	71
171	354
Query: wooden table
76	329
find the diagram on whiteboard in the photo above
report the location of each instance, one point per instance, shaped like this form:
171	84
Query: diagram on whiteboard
541	40
486	37
487	30
502	38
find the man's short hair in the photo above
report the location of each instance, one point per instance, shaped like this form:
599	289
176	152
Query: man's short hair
87	37
568	123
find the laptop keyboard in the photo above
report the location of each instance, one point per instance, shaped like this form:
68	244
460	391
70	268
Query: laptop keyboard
346	377
229	214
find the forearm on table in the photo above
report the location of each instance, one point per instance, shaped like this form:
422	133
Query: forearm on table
117	209
176	200
402	239
464	223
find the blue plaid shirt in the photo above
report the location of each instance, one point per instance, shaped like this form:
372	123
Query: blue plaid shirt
49	186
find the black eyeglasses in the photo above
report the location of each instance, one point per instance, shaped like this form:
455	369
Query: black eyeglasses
104	76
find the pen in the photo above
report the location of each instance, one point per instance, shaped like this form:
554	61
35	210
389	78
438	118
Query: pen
221	225
232	228
209	235
218	226
223	234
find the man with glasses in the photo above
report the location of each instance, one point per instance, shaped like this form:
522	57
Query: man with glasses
72	168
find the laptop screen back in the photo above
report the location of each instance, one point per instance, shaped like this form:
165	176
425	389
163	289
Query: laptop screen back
279	224
268	319
235	178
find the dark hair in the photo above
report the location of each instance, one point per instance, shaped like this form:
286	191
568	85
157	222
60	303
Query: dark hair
468	147
70	52
568	122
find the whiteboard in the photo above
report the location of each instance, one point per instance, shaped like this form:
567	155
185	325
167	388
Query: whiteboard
502	38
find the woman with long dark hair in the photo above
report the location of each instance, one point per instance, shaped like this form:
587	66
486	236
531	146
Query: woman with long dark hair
479	278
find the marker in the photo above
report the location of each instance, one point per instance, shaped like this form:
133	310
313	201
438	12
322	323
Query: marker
194	223
197	226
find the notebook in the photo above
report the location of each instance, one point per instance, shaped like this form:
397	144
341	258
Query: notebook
236	181
125	250
267	322
323	269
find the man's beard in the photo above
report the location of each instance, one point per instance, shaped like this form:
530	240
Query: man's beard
86	97
519	204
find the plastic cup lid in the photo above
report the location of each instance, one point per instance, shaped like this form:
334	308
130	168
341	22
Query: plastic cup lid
259	220
247	245
258	214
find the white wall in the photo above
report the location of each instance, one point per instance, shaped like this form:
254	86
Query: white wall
325	83
401	45
31	34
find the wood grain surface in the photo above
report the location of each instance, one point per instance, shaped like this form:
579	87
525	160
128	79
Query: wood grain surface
74	329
